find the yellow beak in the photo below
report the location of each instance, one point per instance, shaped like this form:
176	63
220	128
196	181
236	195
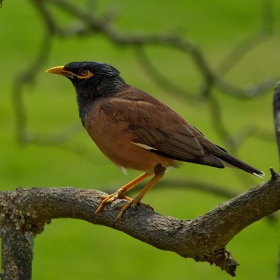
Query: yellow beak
60	71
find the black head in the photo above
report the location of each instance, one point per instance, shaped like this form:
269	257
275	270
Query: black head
92	80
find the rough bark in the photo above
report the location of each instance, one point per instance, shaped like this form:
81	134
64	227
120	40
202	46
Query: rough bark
25	212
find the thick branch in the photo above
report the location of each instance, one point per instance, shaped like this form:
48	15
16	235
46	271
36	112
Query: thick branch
203	239
17	253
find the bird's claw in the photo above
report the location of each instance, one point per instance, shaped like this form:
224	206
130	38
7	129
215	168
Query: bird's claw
109	199
112	197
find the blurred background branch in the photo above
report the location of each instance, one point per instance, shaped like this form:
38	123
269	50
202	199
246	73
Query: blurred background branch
214	63
86	22
276	106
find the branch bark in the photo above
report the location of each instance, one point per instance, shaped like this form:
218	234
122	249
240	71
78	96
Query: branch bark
24	213
17	253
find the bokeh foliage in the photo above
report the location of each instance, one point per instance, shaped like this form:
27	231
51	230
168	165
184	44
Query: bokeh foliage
69	249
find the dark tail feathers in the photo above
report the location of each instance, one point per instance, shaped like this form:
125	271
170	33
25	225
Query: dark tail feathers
233	161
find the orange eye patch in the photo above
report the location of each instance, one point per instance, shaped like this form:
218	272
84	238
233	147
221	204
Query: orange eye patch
84	74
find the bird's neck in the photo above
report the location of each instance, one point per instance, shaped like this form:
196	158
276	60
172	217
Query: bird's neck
87	96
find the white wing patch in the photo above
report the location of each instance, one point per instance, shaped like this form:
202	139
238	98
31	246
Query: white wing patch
144	146
123	170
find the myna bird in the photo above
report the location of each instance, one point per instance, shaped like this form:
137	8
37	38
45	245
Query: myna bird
136	131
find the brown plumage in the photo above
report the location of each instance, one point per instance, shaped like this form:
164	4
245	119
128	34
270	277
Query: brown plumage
136	131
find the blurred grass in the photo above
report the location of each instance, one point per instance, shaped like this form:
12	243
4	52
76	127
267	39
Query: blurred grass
70	249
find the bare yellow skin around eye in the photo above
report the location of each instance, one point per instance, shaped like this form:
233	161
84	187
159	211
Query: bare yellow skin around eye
89	74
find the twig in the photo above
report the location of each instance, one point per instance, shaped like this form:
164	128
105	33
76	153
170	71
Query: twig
248	92
28	76
226	192
245	46
157	77
276	106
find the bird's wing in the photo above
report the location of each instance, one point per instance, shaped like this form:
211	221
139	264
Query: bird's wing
156	128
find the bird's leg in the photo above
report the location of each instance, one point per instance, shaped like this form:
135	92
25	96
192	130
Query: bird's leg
120	193
159	172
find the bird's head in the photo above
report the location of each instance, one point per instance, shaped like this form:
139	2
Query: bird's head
92	80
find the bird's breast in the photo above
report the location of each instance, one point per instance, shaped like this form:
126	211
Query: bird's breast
116	143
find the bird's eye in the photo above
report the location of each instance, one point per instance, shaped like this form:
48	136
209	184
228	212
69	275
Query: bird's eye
83	72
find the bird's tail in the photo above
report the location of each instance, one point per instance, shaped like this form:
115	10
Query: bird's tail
231	161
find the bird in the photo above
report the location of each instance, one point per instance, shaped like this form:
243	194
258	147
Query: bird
137	131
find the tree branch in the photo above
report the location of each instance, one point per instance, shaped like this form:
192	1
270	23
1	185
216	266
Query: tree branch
276	107
25	212
17	253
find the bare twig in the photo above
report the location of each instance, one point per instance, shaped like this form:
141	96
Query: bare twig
217	119
157	77
248	91
25	77
186	184
276	106
252	41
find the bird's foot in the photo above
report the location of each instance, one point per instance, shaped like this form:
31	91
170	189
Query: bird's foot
109	199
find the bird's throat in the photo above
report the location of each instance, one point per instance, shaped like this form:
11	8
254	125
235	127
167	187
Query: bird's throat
86	96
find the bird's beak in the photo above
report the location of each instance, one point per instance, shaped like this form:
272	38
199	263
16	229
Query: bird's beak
60	71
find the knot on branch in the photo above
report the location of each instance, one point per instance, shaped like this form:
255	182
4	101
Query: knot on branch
274	175
16	215
225	261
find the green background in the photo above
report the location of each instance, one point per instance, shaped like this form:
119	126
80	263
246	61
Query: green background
72	249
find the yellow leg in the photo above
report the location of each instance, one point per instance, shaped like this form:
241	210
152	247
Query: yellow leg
120	193
159	172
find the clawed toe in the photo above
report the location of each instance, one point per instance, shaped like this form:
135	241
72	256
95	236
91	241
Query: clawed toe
159	171
108	199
